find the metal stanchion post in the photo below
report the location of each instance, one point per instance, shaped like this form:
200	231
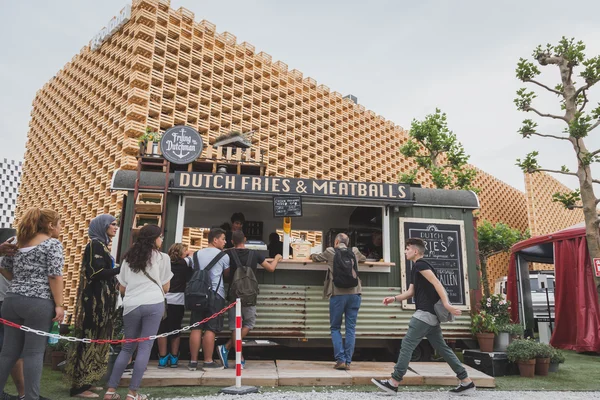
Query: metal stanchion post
238	388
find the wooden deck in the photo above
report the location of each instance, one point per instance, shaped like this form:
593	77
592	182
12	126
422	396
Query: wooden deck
305	373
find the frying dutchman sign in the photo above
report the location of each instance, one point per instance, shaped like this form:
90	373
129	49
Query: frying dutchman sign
305	187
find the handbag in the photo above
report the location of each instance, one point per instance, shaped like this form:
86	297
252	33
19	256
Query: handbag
161	289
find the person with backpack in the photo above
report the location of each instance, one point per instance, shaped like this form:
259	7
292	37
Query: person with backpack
242	271
428	291
204	296
342	288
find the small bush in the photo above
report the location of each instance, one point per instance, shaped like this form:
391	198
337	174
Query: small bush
522	350
544	350
511	329
557	356
483	323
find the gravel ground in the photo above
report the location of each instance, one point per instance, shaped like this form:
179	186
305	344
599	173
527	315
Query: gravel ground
341	395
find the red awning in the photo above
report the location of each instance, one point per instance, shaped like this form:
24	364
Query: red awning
577	314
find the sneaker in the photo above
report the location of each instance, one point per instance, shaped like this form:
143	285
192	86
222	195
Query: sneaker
163	362
129	367
174	361
463	390
193	365
385	385
210	366
223	353
6	396
341	365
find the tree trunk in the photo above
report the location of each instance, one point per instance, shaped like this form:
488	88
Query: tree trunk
484	276
588	199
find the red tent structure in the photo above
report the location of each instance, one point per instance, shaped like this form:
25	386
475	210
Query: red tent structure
577	314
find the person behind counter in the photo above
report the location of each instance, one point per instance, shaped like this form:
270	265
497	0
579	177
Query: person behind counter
342	301
374	250
237	223
275	245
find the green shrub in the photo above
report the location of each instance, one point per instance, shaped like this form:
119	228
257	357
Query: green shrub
483	323
522	350
544	350
557	356
511	329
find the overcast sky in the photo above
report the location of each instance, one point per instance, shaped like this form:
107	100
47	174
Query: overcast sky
402	59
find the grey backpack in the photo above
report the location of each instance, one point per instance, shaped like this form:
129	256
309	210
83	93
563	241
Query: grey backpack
244	284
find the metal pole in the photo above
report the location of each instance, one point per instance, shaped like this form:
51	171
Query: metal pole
549	313
238	343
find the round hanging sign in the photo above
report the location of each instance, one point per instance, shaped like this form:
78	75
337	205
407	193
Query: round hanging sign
181	144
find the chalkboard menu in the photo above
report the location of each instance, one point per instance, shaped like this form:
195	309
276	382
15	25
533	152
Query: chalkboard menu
444	250
287	206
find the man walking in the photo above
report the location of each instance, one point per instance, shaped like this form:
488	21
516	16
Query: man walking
427	290
239	257
211	257
342	288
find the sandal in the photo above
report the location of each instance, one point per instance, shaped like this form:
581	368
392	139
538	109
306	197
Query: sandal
138	396
113	396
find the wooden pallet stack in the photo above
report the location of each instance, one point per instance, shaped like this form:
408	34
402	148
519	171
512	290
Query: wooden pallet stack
161	69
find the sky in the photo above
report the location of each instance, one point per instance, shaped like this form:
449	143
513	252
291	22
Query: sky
402	59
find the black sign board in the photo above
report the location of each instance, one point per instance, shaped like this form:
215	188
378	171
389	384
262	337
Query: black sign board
444	251
207	182
287	206
181	144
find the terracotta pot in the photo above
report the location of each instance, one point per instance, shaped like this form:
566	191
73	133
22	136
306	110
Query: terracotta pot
541	366
527	368
486	342
57	358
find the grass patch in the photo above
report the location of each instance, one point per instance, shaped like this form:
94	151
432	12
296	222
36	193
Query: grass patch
579	373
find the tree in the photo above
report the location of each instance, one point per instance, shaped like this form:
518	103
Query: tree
436	150
492	240
569	57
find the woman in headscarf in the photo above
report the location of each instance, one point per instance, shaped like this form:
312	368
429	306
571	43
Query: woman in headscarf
95	309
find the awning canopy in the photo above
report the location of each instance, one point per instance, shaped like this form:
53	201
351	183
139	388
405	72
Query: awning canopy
577	321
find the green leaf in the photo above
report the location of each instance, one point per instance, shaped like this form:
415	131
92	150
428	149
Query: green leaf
408	178
529	164
524	99
497	238
570	51
526	70
528	128
569	199
579	126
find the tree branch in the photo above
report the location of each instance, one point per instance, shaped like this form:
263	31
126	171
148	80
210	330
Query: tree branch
594	126
544	86
582	89
595	181
529	108
585	101
594	153
557	172
550	136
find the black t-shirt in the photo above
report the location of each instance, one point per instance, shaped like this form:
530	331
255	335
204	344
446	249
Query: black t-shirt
425	293
182	273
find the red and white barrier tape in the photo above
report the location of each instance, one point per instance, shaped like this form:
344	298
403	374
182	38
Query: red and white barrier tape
119	341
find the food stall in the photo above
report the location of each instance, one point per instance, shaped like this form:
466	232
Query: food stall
291	309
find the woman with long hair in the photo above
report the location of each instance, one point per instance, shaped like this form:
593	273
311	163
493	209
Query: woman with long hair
181	266
35	295
144	280
95	309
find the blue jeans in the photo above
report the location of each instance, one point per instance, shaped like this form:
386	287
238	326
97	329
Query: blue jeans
348	305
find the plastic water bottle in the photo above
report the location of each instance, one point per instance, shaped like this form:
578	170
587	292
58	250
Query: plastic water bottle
54	330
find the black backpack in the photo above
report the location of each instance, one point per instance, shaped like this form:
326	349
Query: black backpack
345	269
198	292
244	284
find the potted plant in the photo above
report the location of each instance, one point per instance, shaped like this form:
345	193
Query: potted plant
483	325
542	359
149	142
557	358
506	334
523	353
58	353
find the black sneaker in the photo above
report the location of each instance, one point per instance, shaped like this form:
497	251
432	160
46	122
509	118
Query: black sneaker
385	385
193	365
6	396
463	390
129	367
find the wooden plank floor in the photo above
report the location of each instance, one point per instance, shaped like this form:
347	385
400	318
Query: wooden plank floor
305	373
